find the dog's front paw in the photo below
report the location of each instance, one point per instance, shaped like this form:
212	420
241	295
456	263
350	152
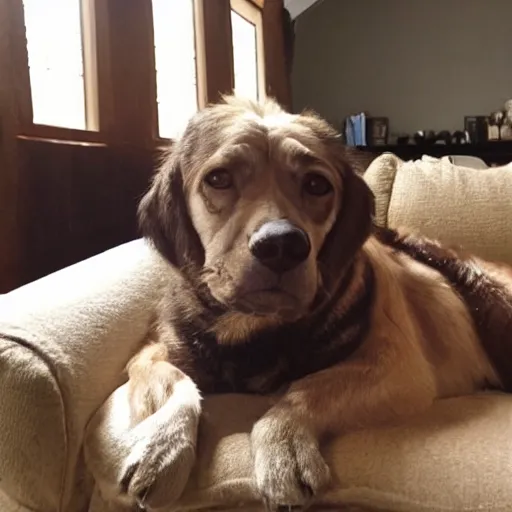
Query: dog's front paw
159	465
148	463
289	468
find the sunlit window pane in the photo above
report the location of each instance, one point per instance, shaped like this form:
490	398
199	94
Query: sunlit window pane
245	56
54	44
175	62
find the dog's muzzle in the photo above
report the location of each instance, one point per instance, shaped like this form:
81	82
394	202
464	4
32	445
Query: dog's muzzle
279	245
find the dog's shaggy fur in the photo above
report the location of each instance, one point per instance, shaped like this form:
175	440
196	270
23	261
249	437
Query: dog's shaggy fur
372	326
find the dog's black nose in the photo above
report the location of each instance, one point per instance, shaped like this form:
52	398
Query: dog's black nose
279	245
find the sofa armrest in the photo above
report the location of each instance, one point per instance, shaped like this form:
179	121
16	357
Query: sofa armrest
64	342
32	427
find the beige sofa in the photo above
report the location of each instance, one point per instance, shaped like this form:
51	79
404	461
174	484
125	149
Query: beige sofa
65	339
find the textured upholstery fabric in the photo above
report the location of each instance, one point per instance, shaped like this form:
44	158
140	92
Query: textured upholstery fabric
456	457
7	504
466	206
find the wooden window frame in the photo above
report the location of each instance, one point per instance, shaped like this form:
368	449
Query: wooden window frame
119	67
201	69
89	52
251	12
101	43
200	48
90	63
214	46
276	71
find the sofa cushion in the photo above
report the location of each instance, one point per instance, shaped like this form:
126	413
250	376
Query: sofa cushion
457	205
454	457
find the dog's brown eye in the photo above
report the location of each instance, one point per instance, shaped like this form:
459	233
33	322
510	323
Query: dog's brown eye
315	184
219	178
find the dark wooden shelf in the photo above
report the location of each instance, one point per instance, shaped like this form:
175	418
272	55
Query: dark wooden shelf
493	152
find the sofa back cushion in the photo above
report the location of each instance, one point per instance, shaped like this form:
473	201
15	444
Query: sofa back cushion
456	205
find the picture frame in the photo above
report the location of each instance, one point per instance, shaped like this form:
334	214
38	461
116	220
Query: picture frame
477	128
377	131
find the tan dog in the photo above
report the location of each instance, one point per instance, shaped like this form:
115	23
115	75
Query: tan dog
276	285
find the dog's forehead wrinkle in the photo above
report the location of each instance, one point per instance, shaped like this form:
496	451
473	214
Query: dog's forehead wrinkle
244	138
294	145
296	153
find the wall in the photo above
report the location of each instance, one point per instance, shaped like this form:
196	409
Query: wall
76	200
423	64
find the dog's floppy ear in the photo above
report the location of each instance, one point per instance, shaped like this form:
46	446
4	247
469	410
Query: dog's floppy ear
164	218
353	224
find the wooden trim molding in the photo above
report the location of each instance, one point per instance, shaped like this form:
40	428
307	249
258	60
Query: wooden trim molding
200	49
15	111
218	48
61	141
104	84
42	131
90	53
126	71
13	30
276	69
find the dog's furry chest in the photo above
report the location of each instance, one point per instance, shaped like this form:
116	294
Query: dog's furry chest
273	357
270	360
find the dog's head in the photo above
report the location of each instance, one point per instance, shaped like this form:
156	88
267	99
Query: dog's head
263	205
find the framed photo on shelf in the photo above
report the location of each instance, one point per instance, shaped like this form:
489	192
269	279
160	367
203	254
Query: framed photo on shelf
377	131
477	128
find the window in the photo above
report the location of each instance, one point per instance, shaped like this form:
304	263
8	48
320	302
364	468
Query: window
175	63
124	71
56	63
247	31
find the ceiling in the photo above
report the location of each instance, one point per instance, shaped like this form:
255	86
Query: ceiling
296	7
